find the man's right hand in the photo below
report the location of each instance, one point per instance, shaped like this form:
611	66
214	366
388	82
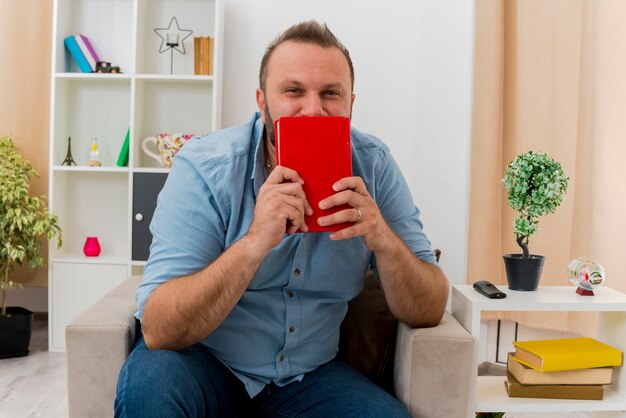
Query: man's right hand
280	208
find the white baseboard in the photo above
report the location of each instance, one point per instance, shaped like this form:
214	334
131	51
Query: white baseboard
31	298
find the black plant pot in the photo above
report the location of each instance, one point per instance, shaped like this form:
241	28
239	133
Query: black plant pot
15	332
523	273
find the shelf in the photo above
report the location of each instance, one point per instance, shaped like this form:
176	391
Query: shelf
103	169
175	77
87	107
608	304
124	76
94	19
190	14
91	203
151	170
92	76
145	99
491	396
170	107
80	258
546	298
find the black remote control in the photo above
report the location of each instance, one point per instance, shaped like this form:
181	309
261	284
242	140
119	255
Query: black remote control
486	288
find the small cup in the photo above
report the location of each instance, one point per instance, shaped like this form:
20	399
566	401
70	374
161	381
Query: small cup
167	146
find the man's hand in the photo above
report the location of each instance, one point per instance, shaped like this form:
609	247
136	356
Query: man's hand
368	221
280	208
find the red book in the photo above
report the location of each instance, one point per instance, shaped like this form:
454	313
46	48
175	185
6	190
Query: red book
318	148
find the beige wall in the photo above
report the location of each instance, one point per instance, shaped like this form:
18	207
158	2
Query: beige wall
25	43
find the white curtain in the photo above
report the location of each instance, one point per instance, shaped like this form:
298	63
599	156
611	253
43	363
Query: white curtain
550	76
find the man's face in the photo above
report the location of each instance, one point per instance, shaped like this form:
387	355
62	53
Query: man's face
305	80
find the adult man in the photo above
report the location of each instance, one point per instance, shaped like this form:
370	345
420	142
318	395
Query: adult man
240	313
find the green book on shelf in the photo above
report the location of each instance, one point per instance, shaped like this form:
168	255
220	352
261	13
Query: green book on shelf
122	159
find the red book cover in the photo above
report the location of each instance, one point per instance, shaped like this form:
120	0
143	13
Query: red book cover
318	148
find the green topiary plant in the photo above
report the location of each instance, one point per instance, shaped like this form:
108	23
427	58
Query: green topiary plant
23	218
536	185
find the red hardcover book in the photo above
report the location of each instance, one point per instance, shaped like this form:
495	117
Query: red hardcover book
318	148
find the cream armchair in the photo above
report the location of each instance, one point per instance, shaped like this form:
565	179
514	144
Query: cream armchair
432	370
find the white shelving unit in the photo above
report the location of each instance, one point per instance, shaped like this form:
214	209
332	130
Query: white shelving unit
145	99
490	393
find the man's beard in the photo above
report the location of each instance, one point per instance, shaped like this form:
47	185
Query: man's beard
269	125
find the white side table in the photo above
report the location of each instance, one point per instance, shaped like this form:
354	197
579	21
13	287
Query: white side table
490	393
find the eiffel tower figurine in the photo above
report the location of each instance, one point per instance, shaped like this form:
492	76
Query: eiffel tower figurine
68	157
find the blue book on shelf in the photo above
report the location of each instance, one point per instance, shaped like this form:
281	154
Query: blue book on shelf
74	49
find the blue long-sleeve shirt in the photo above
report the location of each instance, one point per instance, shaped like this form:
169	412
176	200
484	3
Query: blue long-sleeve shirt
287	321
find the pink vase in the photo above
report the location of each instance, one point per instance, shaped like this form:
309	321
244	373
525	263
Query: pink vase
92	247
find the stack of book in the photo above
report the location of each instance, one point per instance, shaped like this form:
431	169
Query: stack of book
203	51
568	368
82	51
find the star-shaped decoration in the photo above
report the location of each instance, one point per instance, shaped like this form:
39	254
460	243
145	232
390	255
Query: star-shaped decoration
182	35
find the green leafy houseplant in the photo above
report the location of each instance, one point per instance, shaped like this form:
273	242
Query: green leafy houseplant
24	219
536	186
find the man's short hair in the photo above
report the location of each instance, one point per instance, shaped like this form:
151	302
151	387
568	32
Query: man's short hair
310	32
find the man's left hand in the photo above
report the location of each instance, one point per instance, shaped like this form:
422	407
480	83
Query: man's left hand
364	213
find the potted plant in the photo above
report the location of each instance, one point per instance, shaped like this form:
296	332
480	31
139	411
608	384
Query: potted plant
24	219
536	185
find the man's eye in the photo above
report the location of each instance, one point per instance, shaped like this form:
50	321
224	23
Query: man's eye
331	93
293	90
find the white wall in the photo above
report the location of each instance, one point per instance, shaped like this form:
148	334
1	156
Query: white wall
413	69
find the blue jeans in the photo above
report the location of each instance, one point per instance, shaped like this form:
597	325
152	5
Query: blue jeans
194	383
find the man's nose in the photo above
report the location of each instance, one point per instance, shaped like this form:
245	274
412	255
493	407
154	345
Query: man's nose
313	106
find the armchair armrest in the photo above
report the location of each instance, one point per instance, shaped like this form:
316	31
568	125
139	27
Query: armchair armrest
97	342
433	369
